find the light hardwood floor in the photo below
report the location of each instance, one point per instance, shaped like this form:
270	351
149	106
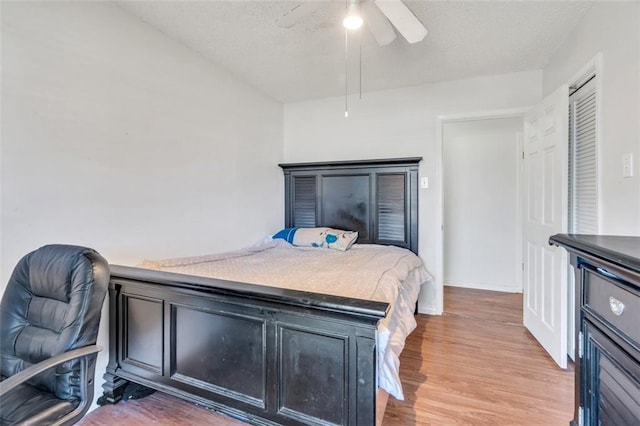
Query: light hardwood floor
477	365
474	365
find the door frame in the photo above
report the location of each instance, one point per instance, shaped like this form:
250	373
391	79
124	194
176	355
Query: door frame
441	120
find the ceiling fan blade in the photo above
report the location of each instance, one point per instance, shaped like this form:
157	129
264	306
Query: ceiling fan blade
377	23
403	19
290	18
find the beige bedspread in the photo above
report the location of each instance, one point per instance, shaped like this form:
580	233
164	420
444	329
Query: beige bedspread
382	273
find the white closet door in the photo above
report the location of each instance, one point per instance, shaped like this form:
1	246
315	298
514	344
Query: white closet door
583	165
545	214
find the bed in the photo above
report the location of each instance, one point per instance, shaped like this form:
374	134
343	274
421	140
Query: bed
283	348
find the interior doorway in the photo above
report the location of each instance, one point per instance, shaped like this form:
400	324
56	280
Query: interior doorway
443	121
481	197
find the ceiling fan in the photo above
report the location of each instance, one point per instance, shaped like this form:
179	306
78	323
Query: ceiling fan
381	16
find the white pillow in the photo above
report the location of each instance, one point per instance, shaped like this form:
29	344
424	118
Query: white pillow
319	237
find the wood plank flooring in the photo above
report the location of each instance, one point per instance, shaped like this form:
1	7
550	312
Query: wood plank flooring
474	365
483	305
158	409
477	365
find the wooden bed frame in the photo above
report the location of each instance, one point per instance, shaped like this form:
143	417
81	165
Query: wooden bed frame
262	354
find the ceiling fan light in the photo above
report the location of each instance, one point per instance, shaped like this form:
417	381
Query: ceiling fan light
353	20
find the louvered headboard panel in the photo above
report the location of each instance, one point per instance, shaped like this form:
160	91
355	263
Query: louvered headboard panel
377	198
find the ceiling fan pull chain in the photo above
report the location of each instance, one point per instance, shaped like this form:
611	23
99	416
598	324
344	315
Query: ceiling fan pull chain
360	60
346	72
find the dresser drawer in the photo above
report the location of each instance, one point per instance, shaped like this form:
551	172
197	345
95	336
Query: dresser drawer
612	304
612	377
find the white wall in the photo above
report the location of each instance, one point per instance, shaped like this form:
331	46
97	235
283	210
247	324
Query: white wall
481	172
613	29
401	123
117	138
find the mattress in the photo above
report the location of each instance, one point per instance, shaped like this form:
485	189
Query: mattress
365	271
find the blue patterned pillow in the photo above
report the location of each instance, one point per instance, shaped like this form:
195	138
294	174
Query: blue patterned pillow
318	237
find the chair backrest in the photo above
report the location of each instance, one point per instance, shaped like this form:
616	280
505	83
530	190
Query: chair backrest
52	304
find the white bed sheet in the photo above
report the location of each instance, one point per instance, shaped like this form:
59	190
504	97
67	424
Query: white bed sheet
373	272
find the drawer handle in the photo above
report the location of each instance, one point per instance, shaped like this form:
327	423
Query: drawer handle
607	273
617	307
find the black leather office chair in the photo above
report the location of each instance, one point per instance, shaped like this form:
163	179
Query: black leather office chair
49	318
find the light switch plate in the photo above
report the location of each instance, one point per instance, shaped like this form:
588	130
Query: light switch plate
424	182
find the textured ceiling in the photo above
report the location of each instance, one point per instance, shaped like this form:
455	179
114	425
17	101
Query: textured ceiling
466	39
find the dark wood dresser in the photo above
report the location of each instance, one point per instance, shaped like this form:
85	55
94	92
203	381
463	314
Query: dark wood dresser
607	271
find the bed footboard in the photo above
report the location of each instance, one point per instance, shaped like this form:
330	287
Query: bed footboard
264	355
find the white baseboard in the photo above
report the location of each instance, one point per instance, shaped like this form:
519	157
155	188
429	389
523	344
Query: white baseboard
484	286
428	310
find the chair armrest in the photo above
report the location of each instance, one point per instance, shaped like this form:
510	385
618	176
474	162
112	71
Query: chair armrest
11	382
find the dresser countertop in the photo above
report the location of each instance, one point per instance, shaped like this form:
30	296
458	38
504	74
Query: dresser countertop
620	250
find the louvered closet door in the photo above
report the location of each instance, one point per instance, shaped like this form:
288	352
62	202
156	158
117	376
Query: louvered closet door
583	171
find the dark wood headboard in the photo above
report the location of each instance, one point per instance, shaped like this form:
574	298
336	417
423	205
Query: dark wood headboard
377	198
